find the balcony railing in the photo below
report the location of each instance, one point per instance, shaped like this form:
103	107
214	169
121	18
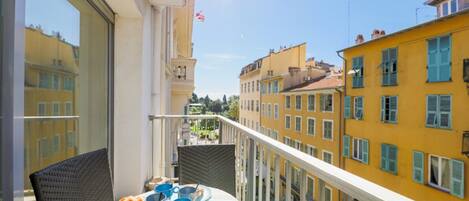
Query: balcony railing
252	147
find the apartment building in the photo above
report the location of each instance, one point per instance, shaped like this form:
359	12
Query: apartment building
249	97
406	107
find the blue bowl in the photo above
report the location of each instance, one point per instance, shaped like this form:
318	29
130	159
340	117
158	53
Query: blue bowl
182	199
167	189
155	197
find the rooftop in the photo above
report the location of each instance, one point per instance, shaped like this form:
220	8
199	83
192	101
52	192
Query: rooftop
327	82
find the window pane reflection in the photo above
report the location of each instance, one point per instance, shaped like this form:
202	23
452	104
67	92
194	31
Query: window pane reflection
66	73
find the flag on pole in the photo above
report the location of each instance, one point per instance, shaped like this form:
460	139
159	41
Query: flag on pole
200	16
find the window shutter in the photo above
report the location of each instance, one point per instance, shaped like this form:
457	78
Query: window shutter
417	173
431	119
393	108
346	147
444	67
322	102
392	159
365	151
444	115
385	66
383	107
457	178
384	156
347	107
432	63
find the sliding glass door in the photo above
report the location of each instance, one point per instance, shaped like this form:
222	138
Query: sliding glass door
67	83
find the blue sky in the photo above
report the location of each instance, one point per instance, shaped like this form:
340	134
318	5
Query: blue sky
236	32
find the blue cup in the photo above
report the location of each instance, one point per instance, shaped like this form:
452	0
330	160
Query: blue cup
182	199
167	189
186	192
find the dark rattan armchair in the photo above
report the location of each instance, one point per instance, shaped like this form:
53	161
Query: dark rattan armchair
84	177
210	165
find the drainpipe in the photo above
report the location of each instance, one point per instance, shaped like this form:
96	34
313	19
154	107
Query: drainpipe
342	118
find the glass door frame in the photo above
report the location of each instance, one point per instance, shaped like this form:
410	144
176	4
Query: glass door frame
12	93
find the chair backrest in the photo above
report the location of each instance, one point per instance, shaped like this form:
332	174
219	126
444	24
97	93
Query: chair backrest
83	177
210	165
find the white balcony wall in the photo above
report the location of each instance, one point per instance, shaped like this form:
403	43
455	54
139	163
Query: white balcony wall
142	87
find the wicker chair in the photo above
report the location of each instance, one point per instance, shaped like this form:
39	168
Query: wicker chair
210	165
84	177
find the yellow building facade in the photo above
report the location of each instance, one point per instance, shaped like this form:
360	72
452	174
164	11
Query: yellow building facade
406	109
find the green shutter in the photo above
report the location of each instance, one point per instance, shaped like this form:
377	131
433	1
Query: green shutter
444	112
384	156
432	110
385	66
347	108
432	60
346	146
393	108
457	178
417	170
444	58
366	149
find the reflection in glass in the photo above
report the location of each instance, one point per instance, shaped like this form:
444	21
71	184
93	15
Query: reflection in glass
66	73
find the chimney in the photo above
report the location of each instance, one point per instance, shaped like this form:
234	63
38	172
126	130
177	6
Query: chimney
293	70
377	34
359	39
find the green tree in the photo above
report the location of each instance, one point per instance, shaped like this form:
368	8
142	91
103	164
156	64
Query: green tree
233	112
216	106
194	98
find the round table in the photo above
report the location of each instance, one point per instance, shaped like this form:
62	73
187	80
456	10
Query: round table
212	194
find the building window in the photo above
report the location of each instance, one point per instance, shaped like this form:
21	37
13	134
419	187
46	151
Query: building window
286	140
311	126
298	102
327	128
263	111
326	102
275	111
327	156
249	87
269	110
389	158
275	87
297	144
439	59
55	81
55	109
274	135
252	105
357	66
252	85
257	105
297	123
439	172
418	165
258	83
389	67
346	146
287	121
68	108
44	80
270	87
447	8
358	107
56	143
43	148
327	193
360	150
310	190
389	109
41	109
311	150
287	102
311	99
68	84
438	111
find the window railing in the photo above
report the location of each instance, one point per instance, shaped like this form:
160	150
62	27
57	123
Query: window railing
257	155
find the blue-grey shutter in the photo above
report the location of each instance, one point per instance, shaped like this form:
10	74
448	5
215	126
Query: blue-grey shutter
432	60
366	149
393	66
457	178
383	108
385	66
346	147
432	110
444	113
322	102
347	108
417	170
393	108
444	59
384	156
392	159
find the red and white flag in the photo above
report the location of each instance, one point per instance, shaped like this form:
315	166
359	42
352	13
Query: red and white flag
200	16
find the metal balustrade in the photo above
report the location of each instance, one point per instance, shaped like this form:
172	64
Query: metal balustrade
256	155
